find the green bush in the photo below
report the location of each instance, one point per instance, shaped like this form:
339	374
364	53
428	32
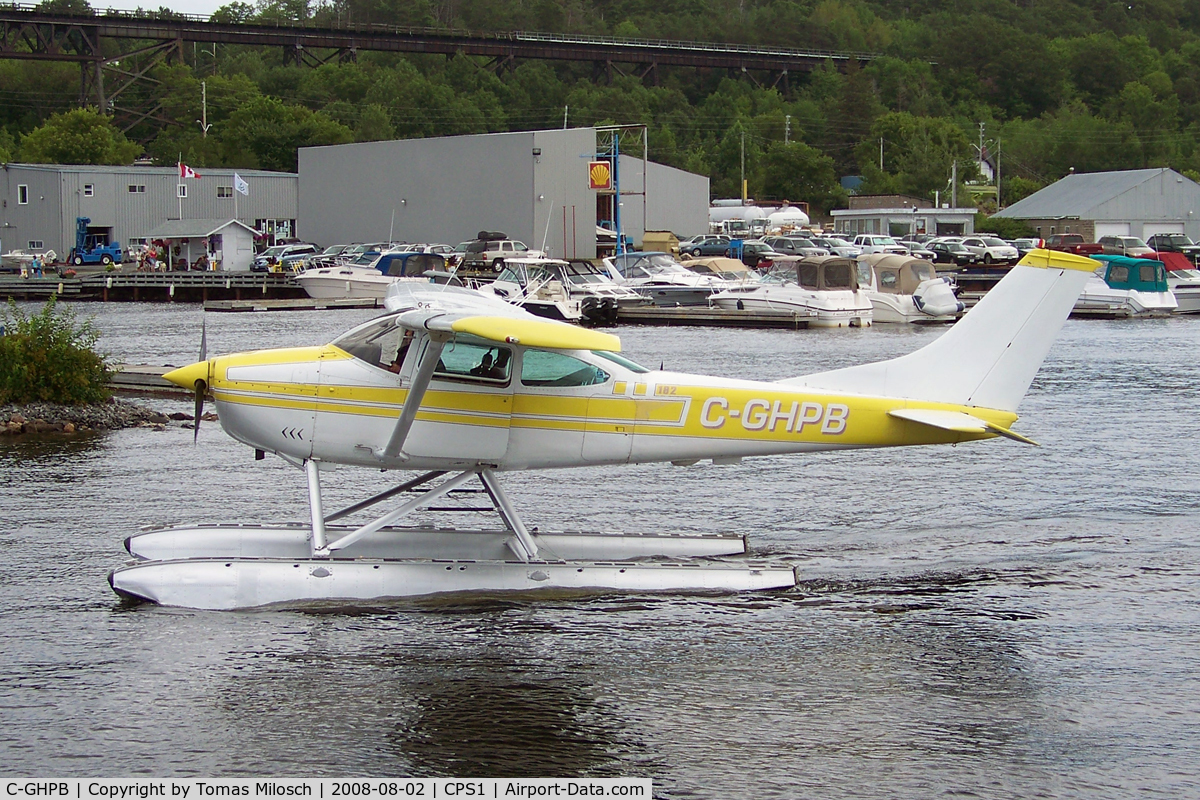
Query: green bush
50	357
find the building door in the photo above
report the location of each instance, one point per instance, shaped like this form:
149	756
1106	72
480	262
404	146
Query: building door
1111	229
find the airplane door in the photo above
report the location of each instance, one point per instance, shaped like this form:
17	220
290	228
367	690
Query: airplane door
467	412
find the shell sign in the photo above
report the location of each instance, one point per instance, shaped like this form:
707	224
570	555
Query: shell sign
599	175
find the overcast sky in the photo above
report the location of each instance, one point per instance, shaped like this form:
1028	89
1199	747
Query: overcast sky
204	7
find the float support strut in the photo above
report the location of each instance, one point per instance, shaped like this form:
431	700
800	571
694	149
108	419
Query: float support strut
314	506
528	549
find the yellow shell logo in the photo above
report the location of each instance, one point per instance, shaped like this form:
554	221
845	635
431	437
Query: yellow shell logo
600	175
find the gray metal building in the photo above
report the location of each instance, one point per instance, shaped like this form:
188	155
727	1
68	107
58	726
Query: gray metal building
41	202
1138	202
532	185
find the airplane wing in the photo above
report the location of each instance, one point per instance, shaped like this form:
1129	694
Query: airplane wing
453	309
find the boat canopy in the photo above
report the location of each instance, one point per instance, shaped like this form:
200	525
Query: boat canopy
1134	274
1174	261
409	264
827	273
896	274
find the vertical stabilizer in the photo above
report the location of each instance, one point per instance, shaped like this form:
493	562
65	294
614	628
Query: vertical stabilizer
990	356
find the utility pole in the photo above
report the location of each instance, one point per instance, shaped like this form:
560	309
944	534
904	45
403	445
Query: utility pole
881	154
743	168
954	184
787	128
998	206
204	126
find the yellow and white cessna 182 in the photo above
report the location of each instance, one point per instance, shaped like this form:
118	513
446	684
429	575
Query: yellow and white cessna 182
462	387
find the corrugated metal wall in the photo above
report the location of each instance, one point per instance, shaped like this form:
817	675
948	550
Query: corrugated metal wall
676	200
132	214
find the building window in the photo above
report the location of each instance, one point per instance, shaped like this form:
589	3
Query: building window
137	242
181	190
137	188
22	195
36	244
88	190
224	191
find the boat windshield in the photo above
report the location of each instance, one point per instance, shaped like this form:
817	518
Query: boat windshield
648	266
864	274
922	271
512	274
582	272
1184	274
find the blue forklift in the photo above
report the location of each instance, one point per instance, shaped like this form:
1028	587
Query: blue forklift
92	248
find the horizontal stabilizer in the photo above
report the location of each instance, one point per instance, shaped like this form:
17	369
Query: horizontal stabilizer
956	421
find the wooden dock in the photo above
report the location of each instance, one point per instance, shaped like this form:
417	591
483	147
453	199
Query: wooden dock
145	379
292	304
160	287
712	317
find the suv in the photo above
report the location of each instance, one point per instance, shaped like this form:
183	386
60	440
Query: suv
1125	246
796	246
1174	243
490	248
273	256
873	243
991	249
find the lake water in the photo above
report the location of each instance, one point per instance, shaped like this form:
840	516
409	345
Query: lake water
992	620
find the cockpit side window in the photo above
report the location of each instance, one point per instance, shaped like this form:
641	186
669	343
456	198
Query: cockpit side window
548	368
380	344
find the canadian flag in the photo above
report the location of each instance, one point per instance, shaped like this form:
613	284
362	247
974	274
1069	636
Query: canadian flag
187	172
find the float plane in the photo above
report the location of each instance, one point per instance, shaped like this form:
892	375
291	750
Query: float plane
460	388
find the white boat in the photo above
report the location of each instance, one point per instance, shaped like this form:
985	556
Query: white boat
1126	287
906	290
824	287
662	279
346	281
1183	279
537	285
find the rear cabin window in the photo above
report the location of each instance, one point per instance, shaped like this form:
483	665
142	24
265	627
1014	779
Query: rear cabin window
1119	274
809	275
922	272
889	280
864	274
839	276
547	368
1148	273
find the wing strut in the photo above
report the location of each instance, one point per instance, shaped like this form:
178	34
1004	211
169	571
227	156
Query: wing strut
416	393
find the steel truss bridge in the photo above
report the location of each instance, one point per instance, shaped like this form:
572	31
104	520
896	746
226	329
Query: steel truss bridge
117	49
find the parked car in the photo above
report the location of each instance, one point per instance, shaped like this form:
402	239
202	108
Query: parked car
1174	243
709	244
952	253
837	246
1025	245
918	238
991	250
796	246
756	254
273	256
918	250
1125	246
873	243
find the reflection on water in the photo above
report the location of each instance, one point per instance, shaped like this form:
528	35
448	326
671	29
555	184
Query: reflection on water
993	619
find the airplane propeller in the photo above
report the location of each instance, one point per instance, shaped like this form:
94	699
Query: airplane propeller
201	386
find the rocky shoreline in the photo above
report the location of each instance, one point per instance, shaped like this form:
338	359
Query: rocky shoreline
113	415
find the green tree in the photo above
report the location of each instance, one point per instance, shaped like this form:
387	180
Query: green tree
81	136
795	171
266	133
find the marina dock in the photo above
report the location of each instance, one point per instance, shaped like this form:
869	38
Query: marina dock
163	287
